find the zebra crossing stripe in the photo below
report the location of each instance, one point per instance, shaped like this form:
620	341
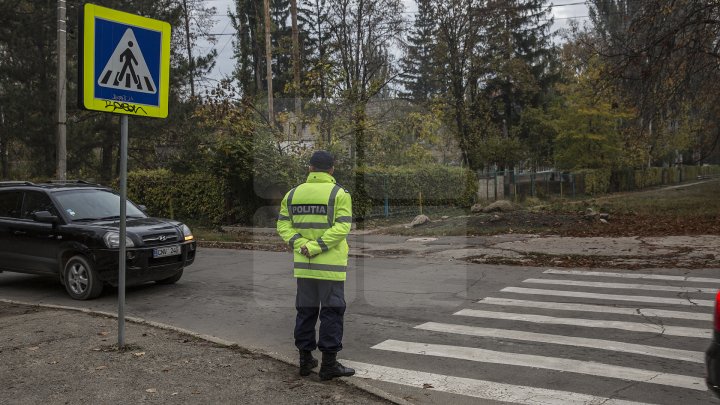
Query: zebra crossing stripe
641	276
675	354
591	323
598	284
547	363
566	306
481	389
611	297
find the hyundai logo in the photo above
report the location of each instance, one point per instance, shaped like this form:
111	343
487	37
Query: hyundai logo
162	238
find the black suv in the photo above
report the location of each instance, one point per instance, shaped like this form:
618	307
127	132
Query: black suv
71	230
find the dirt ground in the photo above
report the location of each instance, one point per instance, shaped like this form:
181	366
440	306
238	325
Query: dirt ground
62	357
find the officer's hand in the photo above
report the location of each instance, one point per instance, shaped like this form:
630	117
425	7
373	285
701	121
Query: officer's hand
304	250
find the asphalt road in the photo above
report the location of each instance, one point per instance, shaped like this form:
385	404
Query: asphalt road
466	333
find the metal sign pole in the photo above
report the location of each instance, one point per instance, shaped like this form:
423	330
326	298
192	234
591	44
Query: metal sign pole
123	229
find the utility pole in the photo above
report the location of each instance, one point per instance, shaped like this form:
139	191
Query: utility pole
191	61
61	171
268	63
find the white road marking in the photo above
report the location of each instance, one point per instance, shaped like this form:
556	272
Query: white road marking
611	297
675	354
598	284
591	323
634	275
566	306
485	390
548	363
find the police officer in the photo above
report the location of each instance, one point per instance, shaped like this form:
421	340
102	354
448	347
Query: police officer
315	219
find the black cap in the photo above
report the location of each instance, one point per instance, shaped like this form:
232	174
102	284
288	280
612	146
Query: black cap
322	160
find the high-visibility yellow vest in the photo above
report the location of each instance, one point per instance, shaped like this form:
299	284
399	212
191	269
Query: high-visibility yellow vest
317	214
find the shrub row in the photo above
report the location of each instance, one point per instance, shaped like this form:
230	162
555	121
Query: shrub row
601	181
206	199
196	197
411	186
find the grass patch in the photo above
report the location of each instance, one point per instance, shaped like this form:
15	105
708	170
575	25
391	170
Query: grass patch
692	200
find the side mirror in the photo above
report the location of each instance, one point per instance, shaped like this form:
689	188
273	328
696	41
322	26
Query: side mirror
45	217
143	208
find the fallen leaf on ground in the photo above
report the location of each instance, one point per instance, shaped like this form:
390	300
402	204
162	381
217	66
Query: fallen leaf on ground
32	349
426	385
151	390
139	354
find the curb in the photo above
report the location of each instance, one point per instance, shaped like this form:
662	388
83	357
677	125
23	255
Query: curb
354	382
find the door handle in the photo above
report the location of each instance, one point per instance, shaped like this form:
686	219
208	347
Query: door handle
19	233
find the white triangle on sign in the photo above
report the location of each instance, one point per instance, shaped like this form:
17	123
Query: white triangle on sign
126	69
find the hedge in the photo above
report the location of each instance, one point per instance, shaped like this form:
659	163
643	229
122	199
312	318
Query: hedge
404	186
601	181
597	181
206	199
198	197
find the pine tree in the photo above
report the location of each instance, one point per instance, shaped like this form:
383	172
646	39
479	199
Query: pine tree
315	37
521	59
248	46
419	76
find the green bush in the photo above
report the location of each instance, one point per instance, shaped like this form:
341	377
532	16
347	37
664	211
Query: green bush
195	197
406	185
597	181
649	177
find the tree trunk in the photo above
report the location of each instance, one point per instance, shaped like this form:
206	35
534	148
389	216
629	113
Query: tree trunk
189	49
296	63
268	62
3	146
256	50
360	146
106	165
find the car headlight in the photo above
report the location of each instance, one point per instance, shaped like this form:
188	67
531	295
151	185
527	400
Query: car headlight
187	233
112	240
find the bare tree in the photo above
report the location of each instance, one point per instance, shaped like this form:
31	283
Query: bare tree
363	32
458	39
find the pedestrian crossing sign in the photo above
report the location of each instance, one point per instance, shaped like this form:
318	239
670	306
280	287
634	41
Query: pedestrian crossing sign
125	63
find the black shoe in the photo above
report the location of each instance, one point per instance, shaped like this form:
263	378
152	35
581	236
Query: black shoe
307	362
331	368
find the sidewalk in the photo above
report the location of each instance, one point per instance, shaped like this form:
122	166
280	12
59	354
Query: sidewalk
630	252
60	357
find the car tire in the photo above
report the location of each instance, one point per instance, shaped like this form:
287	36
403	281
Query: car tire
172	279
81	279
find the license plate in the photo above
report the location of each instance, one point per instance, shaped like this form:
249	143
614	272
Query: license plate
173	250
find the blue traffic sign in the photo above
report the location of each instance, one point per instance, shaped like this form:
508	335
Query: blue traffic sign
126	61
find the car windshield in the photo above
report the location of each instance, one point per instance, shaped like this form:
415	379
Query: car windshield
92	205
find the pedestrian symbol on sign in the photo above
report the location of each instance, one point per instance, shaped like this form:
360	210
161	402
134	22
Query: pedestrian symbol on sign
126	69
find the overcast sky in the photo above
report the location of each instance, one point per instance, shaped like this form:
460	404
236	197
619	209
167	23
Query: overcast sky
225	63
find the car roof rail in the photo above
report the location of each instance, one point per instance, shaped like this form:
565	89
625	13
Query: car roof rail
16	183
70	182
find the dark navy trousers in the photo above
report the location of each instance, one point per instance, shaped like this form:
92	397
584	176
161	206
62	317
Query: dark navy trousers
324	299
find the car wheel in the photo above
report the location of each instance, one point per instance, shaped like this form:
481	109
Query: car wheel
172	279
81	279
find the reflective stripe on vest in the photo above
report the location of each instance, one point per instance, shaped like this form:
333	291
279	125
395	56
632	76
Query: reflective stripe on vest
314	209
